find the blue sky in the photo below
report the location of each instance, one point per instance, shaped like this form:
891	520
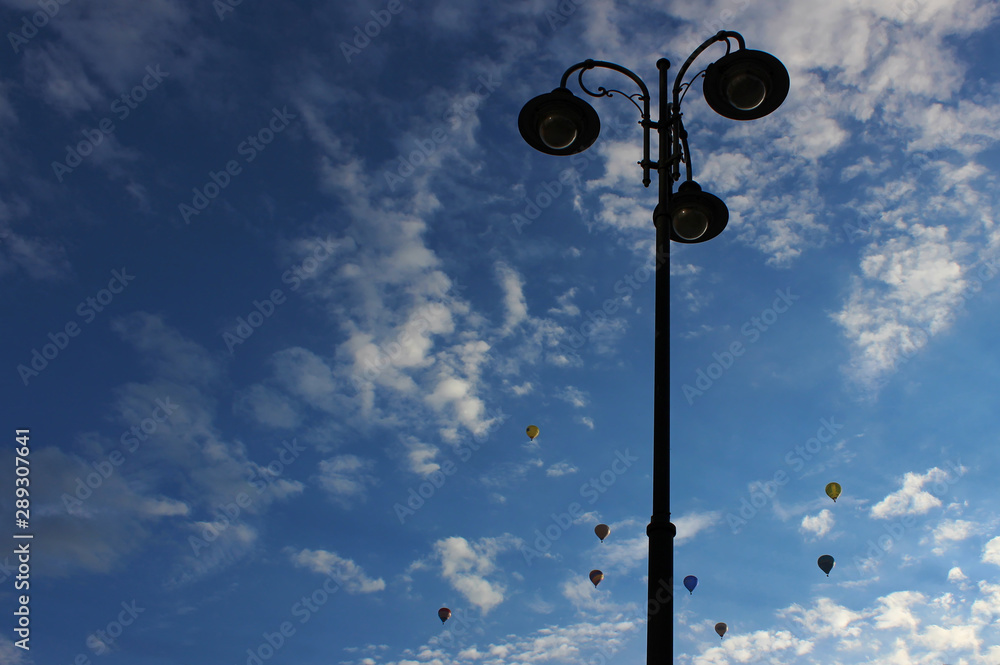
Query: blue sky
282	297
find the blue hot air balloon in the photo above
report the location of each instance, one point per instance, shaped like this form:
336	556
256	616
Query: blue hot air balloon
690	582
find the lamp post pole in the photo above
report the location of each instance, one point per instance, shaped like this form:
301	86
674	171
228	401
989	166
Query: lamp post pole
742	85
661	531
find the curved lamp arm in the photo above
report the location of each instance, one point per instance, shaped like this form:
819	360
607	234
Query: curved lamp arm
605	92
680	135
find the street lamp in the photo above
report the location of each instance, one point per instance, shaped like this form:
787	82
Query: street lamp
741	85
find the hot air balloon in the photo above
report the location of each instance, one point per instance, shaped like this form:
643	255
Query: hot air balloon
826	564
444	614
602	531
596	576
833	491
532	432
690	582
721	629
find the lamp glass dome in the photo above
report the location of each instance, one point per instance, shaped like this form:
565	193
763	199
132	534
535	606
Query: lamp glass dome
695	216
745	91
689	223
557	131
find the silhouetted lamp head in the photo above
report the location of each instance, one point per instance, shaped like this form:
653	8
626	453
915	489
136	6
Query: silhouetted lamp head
695	216
559	123
745	84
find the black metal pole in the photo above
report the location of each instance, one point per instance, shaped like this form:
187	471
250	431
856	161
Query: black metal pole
660	610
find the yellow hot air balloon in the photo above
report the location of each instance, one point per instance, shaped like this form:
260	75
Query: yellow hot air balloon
833	491
596	576
532	432
602	531
721	629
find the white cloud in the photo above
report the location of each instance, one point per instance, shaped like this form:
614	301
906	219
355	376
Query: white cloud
57	76
620	553
346	477
509	474
574	396
896	610
560	469
523	389
420	456
620	172
513	296
305	375
466	566
826	619
41	259
346	572
566	306
11	654
184	454
108	524
574	643
819	524
268	407
911	290
949	531
991	552
690	524
454	395
911	498
171	355
758	646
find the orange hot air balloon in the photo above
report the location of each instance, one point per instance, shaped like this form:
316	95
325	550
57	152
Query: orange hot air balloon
596	576
444	614
602	531
532	432
721	629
